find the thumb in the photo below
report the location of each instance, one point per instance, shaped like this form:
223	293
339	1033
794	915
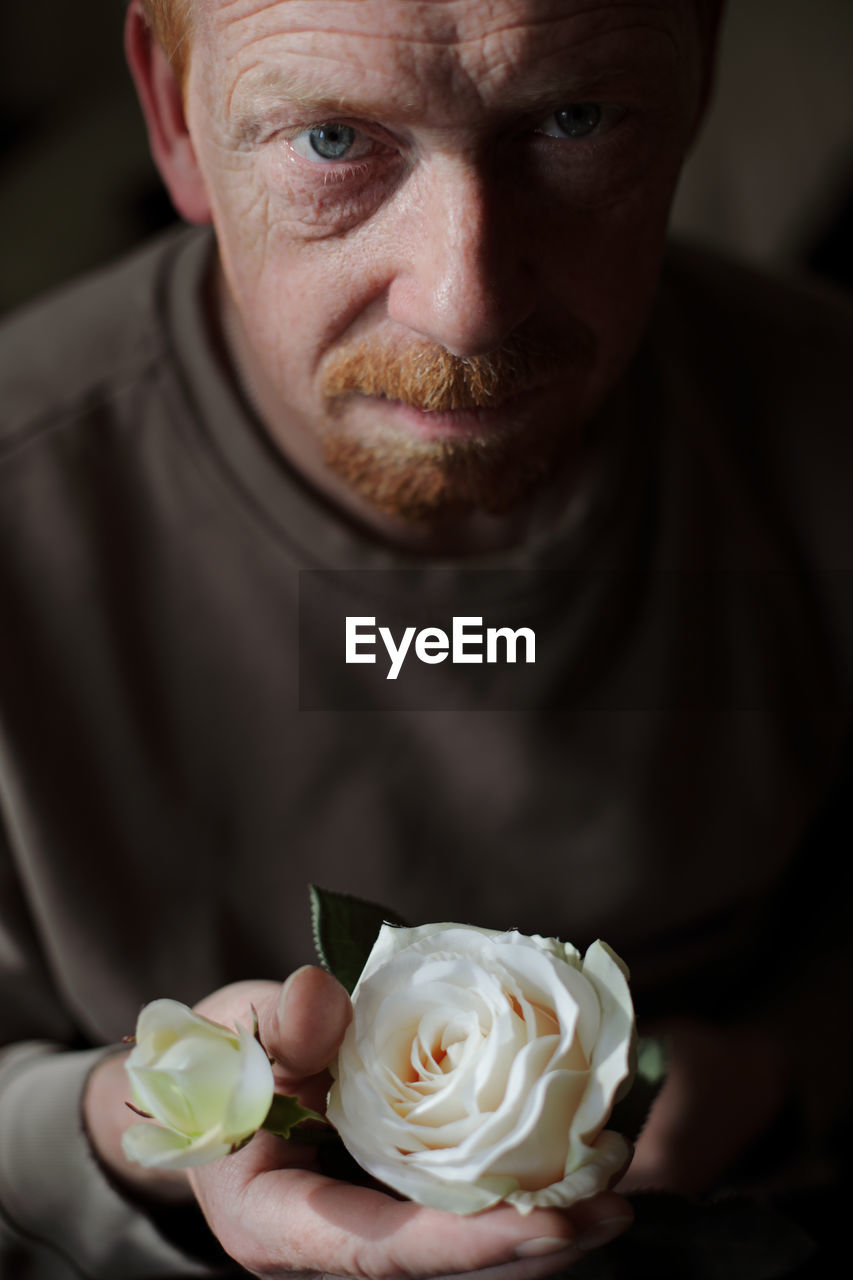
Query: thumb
302	1026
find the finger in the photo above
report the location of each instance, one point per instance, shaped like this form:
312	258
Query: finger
303	1026
296	1219
380	1237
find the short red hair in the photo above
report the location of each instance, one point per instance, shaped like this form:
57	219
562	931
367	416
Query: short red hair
171	20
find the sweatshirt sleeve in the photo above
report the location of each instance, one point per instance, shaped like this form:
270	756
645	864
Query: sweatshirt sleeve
808	957
60	1217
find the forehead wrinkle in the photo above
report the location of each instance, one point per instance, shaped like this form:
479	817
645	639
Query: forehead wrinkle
605	26
571	48
453	29
311	90
459	78
516	63
308	26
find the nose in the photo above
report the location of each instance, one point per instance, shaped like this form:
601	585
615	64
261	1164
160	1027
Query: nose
465	277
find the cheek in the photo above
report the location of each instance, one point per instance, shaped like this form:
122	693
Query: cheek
282	267
245	226
294	302
316	202
605	266
268	197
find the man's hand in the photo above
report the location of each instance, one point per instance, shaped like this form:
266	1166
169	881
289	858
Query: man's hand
724	1087
277	1214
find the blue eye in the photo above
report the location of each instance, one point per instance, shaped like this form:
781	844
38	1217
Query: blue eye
324	144
331	141
578	120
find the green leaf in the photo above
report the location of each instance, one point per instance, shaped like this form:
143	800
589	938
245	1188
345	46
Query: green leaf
287	1118
630	1114
345	930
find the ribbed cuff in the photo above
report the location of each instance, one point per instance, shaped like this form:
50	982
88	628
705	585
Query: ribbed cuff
53	1190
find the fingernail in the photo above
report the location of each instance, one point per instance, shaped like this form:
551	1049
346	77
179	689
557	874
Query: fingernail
603	1232
542	1245
284	994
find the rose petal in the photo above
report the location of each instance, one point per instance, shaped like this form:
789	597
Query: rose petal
205	1072
162	1022
188	1087
562	950
207	1086
157	1148
612	1057
471	1059
610	1153
535	1152
251	1099
458	1197
533	1124
392	940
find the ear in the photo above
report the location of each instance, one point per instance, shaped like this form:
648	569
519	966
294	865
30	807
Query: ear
161	96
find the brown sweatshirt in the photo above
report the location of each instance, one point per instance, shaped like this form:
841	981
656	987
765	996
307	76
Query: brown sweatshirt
183	745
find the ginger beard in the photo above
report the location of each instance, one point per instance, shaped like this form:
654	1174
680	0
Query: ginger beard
491	468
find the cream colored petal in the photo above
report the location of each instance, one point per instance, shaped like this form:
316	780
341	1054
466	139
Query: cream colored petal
162	1022
559	987
156	1148
562	950
457	983
161	1096
365	1121
451	1192
251	1099
150	1145
460	1197
486	1141
205	1072
429	940
535	1152
607	1157
612	1057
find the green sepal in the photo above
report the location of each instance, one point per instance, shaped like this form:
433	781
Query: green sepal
630	1114
287	1118
345	930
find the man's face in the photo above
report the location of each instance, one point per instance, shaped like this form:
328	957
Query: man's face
440	224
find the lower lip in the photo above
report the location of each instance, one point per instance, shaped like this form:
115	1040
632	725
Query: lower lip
456	423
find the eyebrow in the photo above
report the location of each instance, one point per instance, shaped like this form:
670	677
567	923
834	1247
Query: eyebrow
277	89
269	92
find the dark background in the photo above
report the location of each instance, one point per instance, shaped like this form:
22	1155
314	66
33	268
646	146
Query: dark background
772	178
76	183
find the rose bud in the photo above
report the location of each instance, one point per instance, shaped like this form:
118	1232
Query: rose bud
208	1087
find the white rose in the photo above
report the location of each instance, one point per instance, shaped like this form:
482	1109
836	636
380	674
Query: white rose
209	1087
482	1066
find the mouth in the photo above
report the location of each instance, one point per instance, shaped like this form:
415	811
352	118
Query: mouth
418	464
482	423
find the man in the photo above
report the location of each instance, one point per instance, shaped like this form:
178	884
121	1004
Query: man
420	363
